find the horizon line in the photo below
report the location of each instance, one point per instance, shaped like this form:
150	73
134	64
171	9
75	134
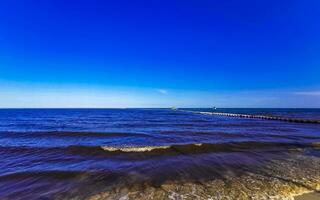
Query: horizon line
159	108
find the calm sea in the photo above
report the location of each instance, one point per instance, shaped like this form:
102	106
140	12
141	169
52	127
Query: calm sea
156	153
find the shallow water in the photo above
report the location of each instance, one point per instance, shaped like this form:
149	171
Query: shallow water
156	153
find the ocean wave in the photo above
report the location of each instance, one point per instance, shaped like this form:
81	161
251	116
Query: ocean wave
191	148
134	149
177	149
70	134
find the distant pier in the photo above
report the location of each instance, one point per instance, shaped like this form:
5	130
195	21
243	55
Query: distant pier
264	117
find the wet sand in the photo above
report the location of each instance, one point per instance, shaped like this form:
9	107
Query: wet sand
280	179
309	196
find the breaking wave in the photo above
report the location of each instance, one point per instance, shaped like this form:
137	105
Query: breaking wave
193	148
178	149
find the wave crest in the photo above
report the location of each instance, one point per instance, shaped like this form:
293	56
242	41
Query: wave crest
166	150
196	148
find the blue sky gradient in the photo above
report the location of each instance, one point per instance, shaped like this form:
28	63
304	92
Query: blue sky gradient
246	53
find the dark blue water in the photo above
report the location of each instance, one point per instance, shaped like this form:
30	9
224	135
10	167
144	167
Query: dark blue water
77	153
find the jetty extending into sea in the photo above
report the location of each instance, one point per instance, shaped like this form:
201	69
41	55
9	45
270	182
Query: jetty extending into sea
250	116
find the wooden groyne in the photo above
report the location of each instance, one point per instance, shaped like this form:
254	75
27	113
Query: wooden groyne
264	117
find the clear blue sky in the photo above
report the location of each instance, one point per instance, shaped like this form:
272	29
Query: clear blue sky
227	53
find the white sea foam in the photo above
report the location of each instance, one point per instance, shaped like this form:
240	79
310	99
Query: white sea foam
134	149
139	148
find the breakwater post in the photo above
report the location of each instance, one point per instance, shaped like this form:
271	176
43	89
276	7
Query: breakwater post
249	116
